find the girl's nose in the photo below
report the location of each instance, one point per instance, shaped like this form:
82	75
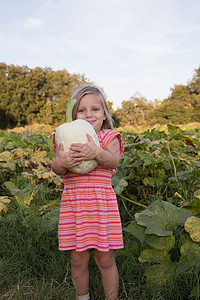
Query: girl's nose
88	113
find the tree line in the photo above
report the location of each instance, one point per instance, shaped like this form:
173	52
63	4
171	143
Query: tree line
41	95
34	95
181	107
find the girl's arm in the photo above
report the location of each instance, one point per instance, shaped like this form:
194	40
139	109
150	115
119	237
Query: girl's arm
108	157
63	160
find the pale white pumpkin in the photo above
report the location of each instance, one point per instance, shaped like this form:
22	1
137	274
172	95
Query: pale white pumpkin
76	132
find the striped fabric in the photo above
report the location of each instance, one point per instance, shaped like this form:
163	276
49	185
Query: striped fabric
89	215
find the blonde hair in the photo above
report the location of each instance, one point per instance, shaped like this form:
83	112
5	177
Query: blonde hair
83	90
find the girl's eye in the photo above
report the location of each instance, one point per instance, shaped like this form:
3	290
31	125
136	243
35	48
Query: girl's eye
95	109
81	110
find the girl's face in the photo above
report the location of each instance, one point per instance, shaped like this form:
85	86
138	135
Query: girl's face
91	110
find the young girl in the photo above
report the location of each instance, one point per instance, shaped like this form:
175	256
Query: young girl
89	215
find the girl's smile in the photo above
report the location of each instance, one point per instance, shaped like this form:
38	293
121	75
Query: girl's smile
91	110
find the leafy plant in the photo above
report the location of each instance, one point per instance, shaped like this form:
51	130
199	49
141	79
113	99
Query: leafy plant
157	165
167	248
4	200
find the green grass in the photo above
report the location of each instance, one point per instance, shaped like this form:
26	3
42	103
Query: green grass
32	267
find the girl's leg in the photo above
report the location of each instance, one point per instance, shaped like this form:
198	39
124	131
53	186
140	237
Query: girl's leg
79	268
109	273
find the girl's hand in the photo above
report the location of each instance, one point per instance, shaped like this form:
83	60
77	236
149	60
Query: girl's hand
63	161
80	152
108	157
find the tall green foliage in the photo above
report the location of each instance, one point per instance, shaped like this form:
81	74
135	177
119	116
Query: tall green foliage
134	112
41	95
34	95
182	106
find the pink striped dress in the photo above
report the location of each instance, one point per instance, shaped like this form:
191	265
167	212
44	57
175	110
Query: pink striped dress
89	214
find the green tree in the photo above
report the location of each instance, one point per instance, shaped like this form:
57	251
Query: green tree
34	95
194	88
134	112
13	100
182	106
3	96
176	109
62	85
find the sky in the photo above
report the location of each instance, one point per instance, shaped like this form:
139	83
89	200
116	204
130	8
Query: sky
126	47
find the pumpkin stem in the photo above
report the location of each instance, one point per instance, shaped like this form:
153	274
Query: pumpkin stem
69	110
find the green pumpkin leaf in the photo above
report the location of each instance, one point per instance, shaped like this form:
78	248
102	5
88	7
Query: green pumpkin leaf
159	275
3	209
5	199
5	156
146	157
154	255
11	187
119	184
149	181
164	243
192	225
161	218
23	197
194	205
136	230
190	257
162	270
